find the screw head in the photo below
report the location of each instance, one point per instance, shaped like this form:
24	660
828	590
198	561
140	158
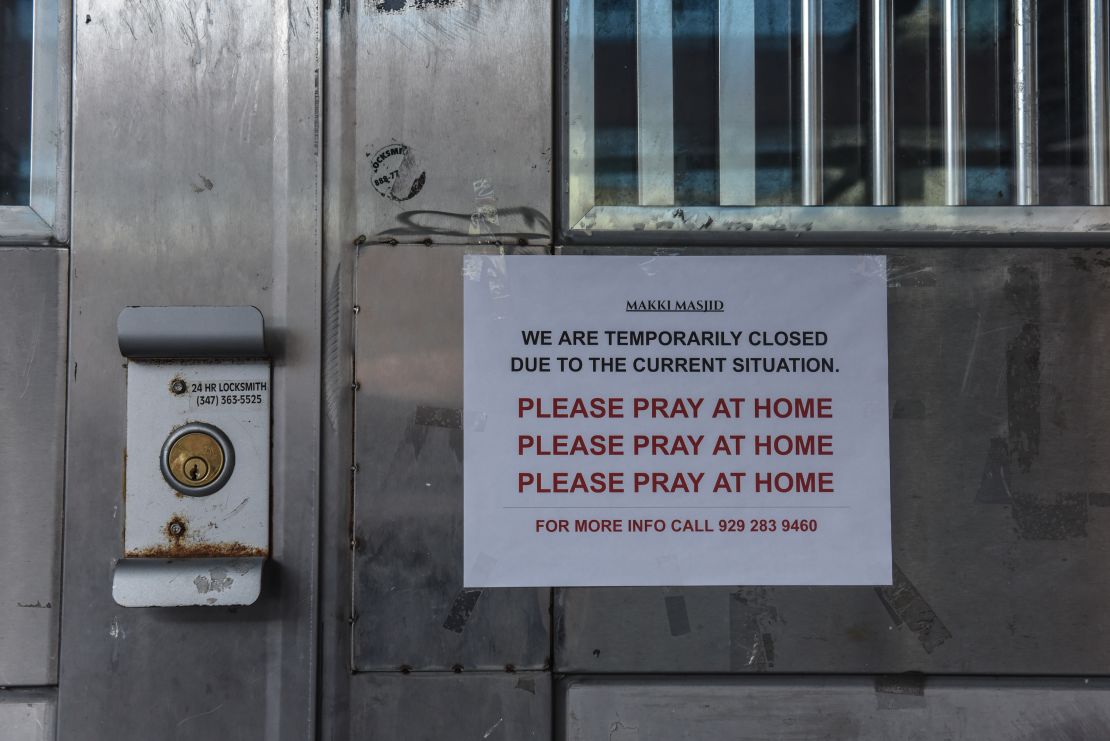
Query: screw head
176	529
178	386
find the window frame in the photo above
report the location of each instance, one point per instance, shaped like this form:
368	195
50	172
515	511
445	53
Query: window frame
582	221
45	220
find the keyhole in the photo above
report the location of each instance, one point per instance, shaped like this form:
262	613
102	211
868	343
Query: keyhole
195	462
194	471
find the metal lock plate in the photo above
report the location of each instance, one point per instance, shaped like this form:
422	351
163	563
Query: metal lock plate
197	480
219	424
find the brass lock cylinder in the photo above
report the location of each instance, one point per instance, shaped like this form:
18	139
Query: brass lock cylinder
197	459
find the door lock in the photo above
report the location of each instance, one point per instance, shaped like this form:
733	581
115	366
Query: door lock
198	425
197	459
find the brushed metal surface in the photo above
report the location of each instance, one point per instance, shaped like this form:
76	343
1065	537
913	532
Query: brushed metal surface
196	182
433	707
864	708
1000	520
454	98
337	361
32	426
411	608
27	715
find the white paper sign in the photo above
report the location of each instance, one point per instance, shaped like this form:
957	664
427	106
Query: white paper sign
675	421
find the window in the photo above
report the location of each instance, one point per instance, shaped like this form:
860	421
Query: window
34	124
748	114
16	33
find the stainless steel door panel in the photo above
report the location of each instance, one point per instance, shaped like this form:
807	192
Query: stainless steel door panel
434	707
879	709
33	302
999	505
195	183
445	111
411	610
27	715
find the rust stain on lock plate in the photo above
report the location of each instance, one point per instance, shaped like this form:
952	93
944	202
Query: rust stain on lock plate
183	542
199	550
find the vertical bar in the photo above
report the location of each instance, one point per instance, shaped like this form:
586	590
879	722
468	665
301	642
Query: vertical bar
812	167
882	103
655	97
697	115
955	180
1025	102
580	110
737	102
776	114
616	104
1097	132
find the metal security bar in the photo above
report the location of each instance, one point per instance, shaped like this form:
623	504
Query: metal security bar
1097	127
882	103
655	88
709	105
1026	183
955	189
737	95
813	191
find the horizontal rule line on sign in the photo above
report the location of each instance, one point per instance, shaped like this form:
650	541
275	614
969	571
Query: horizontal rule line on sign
689	507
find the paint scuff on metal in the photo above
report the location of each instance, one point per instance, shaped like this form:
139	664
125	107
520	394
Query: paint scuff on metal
216	581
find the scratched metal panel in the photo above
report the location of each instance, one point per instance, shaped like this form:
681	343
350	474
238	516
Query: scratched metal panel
410	607
447	108
1000	503
879	709
434	707
32	427
27	715
195	183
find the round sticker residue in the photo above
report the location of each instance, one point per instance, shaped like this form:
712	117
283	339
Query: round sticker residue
394	172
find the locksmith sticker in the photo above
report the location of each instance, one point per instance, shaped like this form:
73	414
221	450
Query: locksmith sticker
394	173
207	394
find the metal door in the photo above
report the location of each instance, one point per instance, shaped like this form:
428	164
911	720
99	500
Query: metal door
331	163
